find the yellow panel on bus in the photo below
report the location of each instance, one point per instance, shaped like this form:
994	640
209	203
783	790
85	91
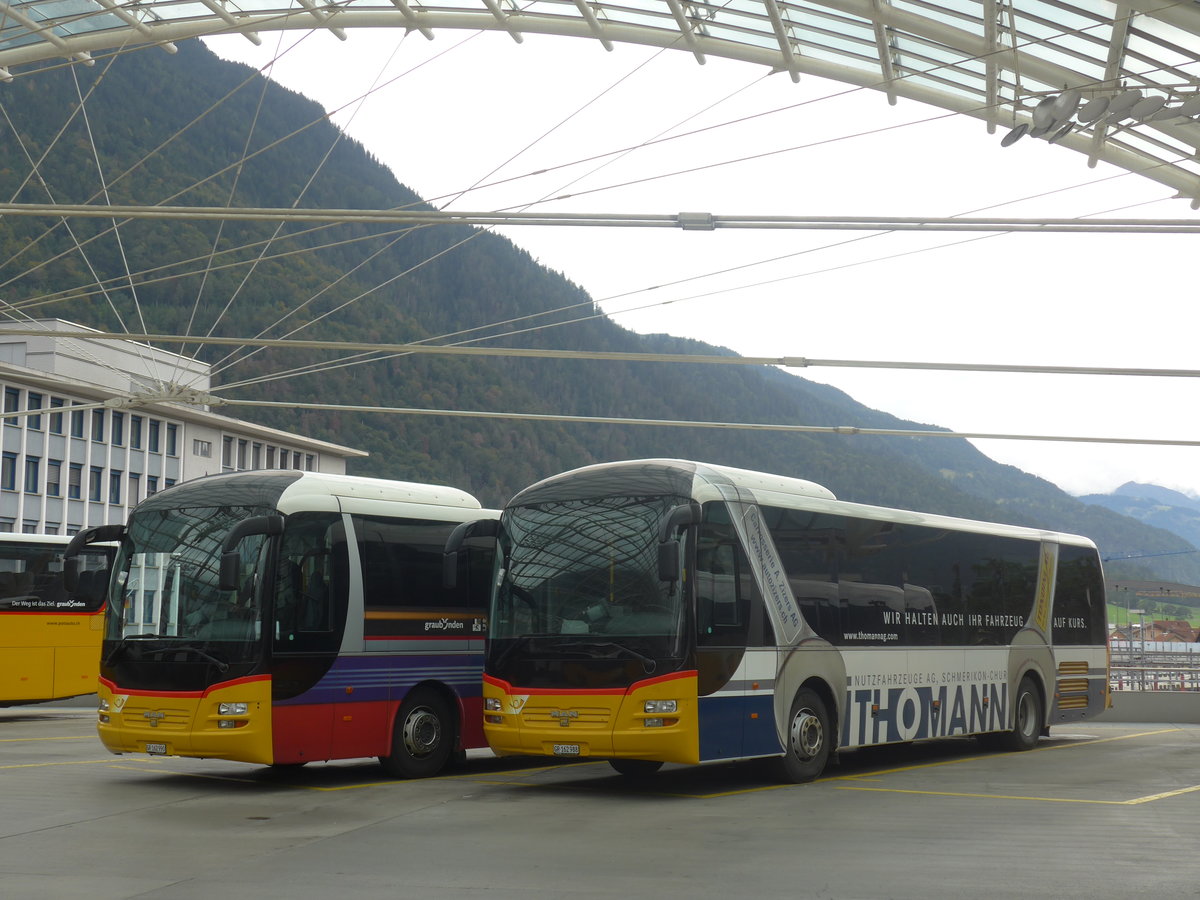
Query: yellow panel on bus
601	723
190	723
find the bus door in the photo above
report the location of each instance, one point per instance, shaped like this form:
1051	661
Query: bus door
735	662
309	599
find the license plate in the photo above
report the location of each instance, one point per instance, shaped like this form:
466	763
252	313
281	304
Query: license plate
566	749
156	749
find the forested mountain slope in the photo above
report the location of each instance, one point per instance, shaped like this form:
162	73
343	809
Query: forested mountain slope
196	116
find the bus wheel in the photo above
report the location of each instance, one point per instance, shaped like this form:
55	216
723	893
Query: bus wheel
424	737
808	736
635	768
1027	718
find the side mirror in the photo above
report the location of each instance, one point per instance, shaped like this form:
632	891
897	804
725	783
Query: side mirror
463	531
231	559
97	534
668	548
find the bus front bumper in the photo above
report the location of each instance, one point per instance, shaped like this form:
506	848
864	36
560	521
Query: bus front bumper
654	719
228	721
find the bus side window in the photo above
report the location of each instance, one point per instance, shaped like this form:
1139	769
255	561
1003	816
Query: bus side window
311	584
717	590
1078	598
729	608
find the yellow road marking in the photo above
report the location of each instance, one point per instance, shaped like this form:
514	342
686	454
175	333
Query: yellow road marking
1133	802
1163	795
1087	743
74	762
965	759
77	737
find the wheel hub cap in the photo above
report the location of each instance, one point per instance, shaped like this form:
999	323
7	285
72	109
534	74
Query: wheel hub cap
806	734
422	732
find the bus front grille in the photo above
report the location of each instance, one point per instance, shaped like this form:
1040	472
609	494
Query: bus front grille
566	716
164	719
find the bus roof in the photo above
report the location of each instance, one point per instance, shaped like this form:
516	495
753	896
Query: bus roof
290	491
56	540
705	482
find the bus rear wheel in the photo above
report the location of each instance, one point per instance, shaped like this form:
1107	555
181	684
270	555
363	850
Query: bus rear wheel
1028	716
423	737
635	768
807	740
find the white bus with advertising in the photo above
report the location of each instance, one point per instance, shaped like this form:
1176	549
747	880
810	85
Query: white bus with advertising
655	611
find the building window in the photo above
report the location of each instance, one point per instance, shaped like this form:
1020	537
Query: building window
152	443
53	477
241	463
172	439
96	484
8	472
135	488
118	429
33	474
12	403
308	462
270	456
56	418
98	425
201	448
34	401
151	485
77	423
227	452
114	487
256	455
53	527
30	526
75	482
135	432
169	482
296	459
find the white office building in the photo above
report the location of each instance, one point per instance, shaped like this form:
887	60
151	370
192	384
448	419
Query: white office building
65	468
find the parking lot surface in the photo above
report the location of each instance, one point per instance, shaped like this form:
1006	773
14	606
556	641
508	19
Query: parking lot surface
1098	810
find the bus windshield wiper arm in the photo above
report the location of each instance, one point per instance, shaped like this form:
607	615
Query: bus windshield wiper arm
648	663
221	665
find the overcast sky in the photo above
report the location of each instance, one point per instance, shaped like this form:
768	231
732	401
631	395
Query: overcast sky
459	112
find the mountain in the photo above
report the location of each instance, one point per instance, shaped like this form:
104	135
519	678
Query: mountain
191	129
1154	505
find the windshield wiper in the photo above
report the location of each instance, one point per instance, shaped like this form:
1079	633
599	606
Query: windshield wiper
221	665
649	664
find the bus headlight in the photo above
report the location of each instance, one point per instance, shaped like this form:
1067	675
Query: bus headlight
103	705
232	709
661	706
491	704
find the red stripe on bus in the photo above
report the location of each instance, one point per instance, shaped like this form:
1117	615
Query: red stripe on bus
587	692
249	679
419	637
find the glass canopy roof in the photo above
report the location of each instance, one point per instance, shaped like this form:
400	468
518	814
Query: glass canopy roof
1118	82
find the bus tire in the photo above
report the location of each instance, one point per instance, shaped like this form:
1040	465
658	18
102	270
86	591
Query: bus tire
1028	716
636	768
807	741
423	737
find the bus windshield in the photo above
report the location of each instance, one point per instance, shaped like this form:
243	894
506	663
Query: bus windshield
168	587
579	580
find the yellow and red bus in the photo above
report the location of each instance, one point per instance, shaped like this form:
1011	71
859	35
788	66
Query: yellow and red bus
49	636
655	611
282	617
